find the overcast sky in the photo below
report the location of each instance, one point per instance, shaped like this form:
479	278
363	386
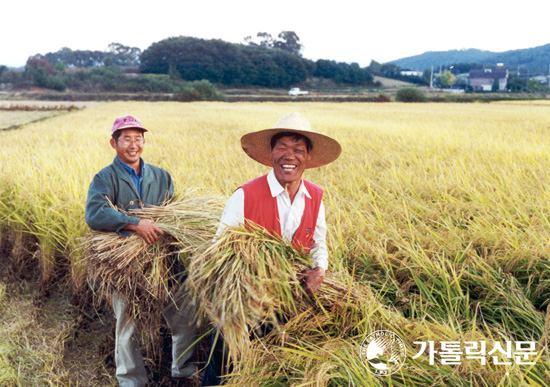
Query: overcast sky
342	30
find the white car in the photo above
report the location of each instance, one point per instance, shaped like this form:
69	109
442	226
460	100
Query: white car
296	91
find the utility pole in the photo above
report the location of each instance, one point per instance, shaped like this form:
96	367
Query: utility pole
432	78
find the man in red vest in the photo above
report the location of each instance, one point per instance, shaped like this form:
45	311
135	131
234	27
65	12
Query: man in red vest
281	201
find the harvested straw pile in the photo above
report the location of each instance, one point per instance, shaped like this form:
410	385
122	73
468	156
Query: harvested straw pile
148	275
249	278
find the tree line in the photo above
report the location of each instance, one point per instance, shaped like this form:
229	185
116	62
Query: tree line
117	54
168	65
266	61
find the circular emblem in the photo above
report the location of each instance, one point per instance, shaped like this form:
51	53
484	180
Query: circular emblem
383	353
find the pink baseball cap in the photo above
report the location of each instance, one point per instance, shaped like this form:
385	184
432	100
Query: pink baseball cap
127	122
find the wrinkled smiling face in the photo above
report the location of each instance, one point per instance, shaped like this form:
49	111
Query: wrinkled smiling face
129	146
289	158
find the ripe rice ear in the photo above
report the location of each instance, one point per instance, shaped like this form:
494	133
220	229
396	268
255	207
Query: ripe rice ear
192	221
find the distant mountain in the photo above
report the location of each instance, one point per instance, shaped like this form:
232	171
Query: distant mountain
437	58
536	59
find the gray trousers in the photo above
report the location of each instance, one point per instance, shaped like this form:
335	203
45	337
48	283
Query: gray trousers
180	318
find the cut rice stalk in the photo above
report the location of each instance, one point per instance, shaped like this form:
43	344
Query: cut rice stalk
148	275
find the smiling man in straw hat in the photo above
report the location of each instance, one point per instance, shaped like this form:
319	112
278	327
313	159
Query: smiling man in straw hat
281	201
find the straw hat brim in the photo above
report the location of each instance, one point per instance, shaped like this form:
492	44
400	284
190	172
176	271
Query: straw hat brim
324	150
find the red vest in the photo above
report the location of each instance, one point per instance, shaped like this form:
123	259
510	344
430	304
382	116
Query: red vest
261	208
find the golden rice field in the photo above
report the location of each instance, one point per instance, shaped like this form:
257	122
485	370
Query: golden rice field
442	211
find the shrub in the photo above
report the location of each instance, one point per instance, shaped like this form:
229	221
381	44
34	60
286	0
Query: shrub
199	91
382	98
56	83
410	95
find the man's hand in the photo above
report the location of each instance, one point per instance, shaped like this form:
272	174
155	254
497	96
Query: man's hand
313	279
146	229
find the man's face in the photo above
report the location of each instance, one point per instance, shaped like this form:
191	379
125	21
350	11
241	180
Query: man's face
289	158
129	146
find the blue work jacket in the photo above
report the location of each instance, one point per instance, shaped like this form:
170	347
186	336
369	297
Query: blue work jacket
114	184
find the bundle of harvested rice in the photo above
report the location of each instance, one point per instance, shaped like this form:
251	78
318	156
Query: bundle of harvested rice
248	278
147	275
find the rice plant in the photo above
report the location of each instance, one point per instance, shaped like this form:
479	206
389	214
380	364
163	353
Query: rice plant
438	214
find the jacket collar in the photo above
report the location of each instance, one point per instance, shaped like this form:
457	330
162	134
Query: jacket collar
130	170
123	174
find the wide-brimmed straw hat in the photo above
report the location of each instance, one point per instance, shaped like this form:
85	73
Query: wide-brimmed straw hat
324	149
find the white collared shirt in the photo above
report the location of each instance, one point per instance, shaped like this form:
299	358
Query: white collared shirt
290	216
